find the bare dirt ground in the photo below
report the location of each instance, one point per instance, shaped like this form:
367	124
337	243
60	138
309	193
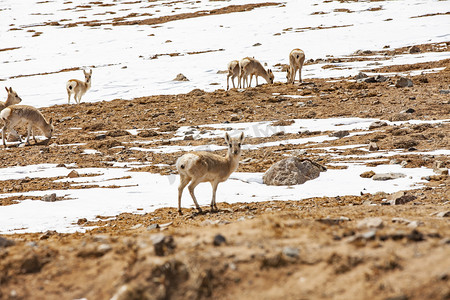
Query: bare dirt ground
319	248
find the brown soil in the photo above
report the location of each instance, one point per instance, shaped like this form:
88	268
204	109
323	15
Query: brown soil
307	249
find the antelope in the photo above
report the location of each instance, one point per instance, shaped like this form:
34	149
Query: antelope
250	66
78	88
19	114
296	60
233	72
12	99
197	167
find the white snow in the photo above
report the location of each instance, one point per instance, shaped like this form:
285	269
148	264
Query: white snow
121	54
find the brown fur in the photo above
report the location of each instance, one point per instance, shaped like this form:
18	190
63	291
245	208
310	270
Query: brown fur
78	88
197	167
15	115
233	72
296	61
250	66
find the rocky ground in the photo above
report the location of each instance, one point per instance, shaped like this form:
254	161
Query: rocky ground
372	246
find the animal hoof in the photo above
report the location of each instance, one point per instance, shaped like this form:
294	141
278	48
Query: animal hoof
180	212
199	210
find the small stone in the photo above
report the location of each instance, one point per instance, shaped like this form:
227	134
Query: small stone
81	221
373	146
444	92
443	214
387	176
73	174
180	77
409	111
189	137
414	49
137	226
340	134
377	124
371	223
47	234
219	240
234	117
100	136
400	198
153	226
49	198
162	244
404	82
441	171
292	252
5	242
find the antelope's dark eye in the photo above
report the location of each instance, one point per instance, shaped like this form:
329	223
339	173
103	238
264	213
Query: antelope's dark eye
239	144
230	146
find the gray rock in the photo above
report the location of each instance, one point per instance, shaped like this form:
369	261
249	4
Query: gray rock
188	137
100	136
404	82
340	134
441	171
377	124
137	226
333	221
387	176
291	171
380	78
443	214
5	242
234	117
371	223
400	198
361	75
373	146
292	252
49	197
219	240
444	92
162	244
414	49
153	226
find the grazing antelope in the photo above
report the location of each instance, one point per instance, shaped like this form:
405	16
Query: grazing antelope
197	167
19	114
78	88
296	60
233	72
250	66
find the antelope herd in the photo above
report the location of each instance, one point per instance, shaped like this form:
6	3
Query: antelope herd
194	167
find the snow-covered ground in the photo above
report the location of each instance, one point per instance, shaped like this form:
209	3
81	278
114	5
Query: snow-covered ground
123	69
121	54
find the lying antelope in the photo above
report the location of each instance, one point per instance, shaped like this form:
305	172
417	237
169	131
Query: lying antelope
250	66
296	60
197	167
20	114
233	72
78	88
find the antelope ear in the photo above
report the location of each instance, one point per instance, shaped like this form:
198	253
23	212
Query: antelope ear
6	89
90	72
227	138
241	137
50	121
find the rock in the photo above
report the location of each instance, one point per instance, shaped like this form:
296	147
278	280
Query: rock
362	237
291	171
380	78
387	176
94	250
257	44
441	171
189	137
414	49
444	92
180	77
234	117
405	143
100	136
400	198
404	82
49	197
373	146
73	174
360	75
117	133
292	252
340	134
163	244
408	111
443	214
5	242
147	133
368	174
371	223
137	226
31	264
219	240
368	80
333	221
81	221
47	234
153	226
377	124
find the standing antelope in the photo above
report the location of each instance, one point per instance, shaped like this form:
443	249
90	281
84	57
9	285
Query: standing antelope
12	99
19	114
233	72
250	66
197	167
78	87
296	60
